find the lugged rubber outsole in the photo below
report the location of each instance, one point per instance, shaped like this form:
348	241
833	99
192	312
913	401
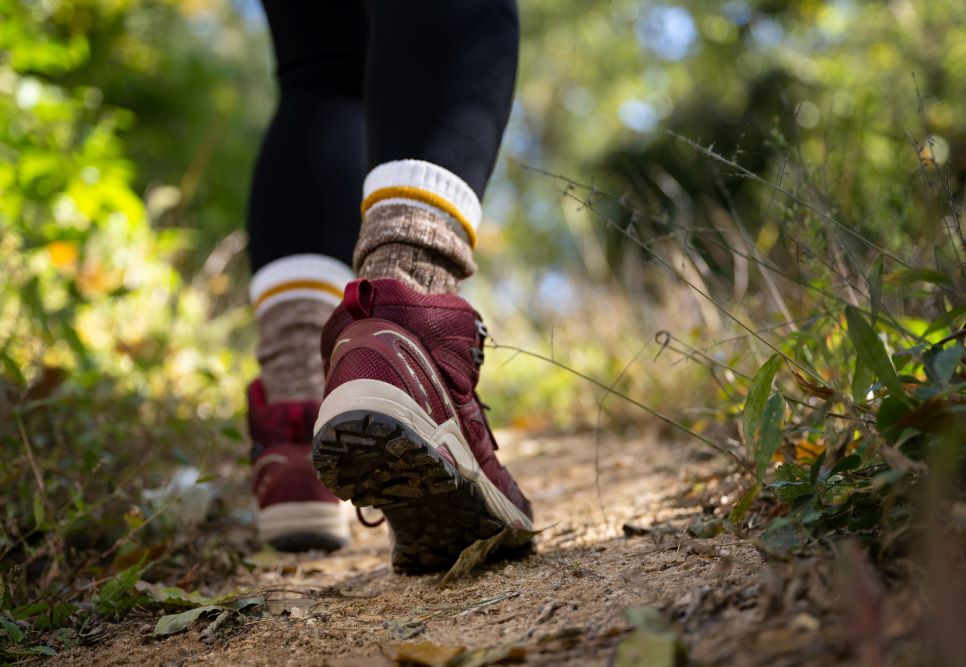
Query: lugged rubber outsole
434	512
303	541
303	525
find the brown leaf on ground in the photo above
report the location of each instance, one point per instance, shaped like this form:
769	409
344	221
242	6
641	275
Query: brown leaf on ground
489	656
476	554
426	654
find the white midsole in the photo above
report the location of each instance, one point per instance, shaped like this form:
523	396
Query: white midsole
385	399
314	517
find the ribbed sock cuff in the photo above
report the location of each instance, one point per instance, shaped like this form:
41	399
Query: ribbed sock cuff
414	246
305	276
419	226
428	186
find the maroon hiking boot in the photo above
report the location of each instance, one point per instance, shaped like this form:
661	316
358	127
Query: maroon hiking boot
295	512
401	429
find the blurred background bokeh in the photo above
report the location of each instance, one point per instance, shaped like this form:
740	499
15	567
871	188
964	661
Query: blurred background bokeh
128	131
625	216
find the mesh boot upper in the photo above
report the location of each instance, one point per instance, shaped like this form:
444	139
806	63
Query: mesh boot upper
281	435
448	330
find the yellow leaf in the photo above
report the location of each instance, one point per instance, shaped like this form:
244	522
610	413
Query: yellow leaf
63	254
808	451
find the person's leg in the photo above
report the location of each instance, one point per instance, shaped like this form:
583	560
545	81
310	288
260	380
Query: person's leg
303	223
401	427
304	217
439	86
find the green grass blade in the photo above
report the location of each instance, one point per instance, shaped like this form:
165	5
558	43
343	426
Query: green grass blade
873	353
875	287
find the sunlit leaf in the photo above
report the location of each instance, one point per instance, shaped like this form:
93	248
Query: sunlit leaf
906	277
772	420
868	346
173	623
951	320
175	596
753	411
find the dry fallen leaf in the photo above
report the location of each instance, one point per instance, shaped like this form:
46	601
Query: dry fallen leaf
476	554
812	389
489	656
426	654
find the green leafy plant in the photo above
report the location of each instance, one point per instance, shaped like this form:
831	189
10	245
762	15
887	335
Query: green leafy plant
901	408
118	595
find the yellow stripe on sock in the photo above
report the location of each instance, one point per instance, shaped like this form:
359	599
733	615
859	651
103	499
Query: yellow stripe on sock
425	196
298	284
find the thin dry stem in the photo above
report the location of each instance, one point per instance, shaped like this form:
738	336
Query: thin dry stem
651	411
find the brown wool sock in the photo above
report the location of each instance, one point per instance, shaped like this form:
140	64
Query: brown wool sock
288	349
415	246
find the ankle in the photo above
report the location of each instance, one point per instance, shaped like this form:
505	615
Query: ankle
414	246
418	227
294	298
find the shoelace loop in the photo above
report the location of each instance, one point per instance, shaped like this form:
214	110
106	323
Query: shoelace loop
369	524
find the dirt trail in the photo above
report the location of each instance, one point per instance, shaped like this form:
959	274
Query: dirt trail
562	605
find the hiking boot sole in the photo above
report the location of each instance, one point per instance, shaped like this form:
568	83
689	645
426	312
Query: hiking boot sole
301	526
421	475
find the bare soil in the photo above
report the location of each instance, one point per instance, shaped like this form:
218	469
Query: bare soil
561	606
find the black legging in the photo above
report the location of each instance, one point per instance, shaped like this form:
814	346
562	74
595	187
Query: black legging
363	84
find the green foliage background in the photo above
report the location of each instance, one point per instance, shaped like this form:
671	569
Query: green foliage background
130	129
635	232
